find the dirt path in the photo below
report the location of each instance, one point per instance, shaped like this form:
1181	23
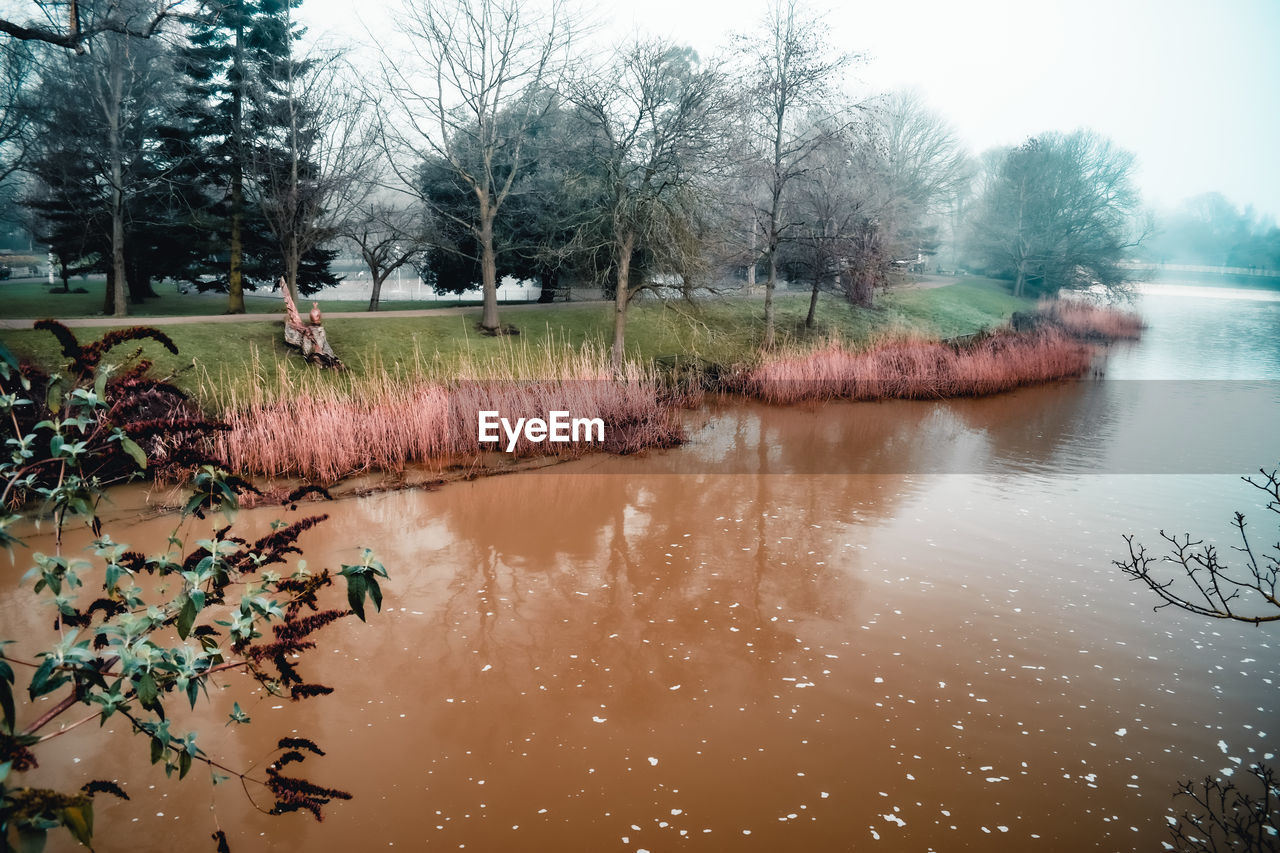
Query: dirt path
924	282
111	322
929	282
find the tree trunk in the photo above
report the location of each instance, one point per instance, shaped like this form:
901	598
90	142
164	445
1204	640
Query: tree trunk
109	296
294	240
813	303
550	284
119	294
488	271
863	288
139	280
751	268
375	295
621	297
235	274
1021	281
292	261
775	215
768	298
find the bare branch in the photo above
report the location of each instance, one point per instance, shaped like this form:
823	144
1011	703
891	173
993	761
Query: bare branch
77	34
1205	585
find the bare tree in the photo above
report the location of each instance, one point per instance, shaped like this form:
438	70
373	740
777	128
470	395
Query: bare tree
63	23
1202	584
108	100
927	165
309	175
835	208
653	124
388	236
790	68
1221	815
468	91
18	74
1225	816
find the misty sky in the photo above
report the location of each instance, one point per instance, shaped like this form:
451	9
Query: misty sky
1191	87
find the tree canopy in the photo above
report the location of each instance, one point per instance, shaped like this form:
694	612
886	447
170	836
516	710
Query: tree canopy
1059	212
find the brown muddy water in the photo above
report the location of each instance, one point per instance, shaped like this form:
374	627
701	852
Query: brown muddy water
684	651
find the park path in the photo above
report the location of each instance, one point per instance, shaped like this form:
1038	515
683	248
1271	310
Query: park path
110	322
923	282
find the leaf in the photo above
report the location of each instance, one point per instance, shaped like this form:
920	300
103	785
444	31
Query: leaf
8	359
157	750
186	617
6	696
129	446
147	691
45	681
114	571
356	588
53	401
184	763
79	820
31	840
237	715
375	591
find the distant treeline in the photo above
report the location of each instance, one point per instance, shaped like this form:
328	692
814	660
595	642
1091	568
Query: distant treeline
1208	230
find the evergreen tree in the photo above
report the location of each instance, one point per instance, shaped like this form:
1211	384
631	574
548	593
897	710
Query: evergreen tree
236	54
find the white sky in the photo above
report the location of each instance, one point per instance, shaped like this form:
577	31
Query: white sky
1190	86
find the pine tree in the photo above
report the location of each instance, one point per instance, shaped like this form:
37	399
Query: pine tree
237	52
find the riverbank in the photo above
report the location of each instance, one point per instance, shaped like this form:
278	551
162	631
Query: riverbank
402	404
221	360
388	422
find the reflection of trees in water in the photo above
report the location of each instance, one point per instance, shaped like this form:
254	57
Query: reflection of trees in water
1036	429
651	581
1061	427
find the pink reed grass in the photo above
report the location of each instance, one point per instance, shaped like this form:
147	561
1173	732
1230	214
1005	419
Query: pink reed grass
325	435
919	369
1092	322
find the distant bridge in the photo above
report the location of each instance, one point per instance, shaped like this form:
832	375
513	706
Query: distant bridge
1202	269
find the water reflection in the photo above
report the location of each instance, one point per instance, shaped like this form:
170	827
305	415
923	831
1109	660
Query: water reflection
1068	428
605	656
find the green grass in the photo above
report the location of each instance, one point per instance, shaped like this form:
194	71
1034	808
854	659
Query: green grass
233	357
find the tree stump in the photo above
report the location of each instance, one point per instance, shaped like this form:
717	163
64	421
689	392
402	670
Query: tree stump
310	338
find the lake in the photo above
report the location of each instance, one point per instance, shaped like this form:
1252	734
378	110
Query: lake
819	628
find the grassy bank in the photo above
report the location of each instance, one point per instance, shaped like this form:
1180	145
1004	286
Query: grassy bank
236	360
415	385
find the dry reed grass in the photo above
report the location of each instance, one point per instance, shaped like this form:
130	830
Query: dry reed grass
921	369
386	418
424	410
1092	322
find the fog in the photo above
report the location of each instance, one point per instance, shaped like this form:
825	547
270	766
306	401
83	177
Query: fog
1191	88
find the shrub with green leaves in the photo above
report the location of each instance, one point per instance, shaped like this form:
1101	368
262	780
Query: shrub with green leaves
231	603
